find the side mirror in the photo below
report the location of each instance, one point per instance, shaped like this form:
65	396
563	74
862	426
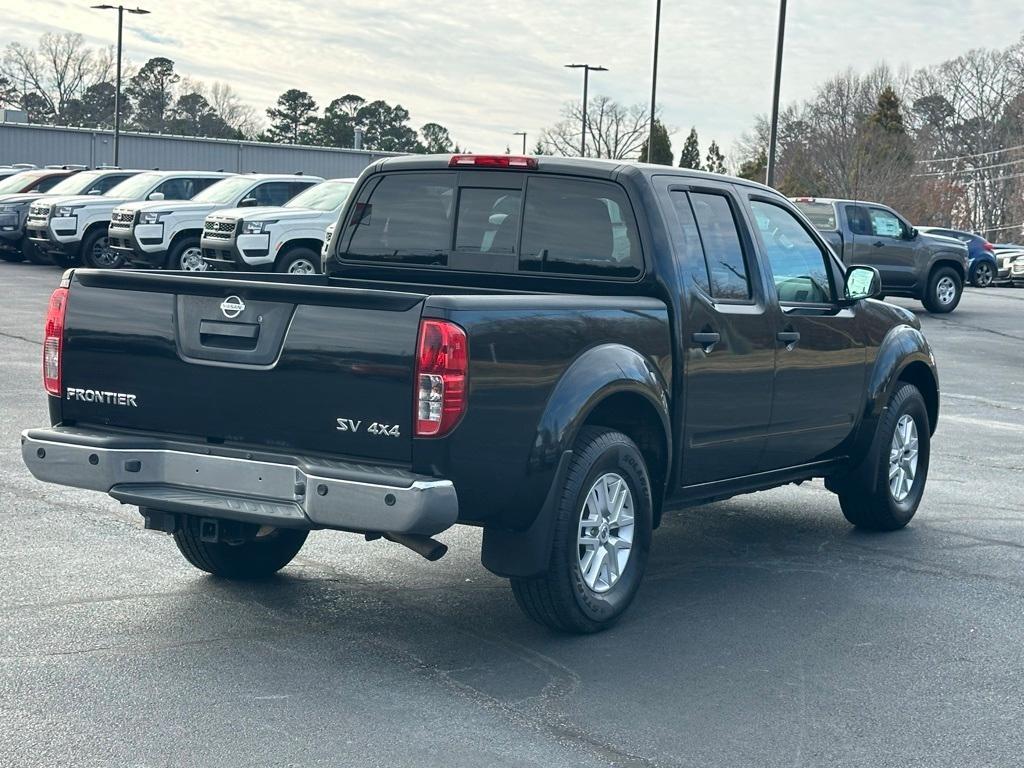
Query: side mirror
911	234
249	202
862	283
155	196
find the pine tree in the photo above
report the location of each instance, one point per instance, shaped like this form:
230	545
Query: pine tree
662	148
887	115
690	156
715	159
755	167
293	119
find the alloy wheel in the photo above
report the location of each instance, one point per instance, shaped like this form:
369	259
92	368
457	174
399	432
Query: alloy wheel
102	256
903	455
605	535
983	275
945	290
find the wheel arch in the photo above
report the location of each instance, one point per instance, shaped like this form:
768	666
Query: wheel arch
948	260
299	242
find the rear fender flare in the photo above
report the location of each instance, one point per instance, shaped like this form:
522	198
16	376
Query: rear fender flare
598	373
595	375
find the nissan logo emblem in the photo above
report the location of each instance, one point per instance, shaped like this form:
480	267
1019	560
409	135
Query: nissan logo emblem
232	307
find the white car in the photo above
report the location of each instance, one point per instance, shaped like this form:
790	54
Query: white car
288	238
164	234
71	228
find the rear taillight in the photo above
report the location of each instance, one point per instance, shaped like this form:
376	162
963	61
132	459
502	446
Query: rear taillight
53	341
988	246
442	362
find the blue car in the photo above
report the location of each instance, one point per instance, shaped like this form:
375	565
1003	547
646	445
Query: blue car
982	267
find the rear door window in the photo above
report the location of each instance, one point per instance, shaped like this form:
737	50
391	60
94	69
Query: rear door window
298	186
48	182
580	227
107	183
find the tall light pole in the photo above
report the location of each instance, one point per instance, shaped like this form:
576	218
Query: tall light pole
117	92
654	78
587	69
773	138
523	134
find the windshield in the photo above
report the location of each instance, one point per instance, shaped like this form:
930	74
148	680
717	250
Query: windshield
76	183
135	187
325	196
224	191
17	181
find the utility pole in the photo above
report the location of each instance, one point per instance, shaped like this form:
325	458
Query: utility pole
523	134
117	92
587	69
654	78
773	139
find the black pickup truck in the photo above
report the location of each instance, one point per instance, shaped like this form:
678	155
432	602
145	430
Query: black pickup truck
555	350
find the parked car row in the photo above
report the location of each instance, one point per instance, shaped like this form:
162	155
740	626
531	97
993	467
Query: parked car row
185	220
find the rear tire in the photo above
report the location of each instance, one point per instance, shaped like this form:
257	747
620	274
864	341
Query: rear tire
299	261
881	507
572	595
944	290
983	275
252	559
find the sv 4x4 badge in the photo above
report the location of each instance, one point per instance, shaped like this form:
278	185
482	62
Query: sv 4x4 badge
383	430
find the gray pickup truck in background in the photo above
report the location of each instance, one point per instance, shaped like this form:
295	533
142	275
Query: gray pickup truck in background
914	264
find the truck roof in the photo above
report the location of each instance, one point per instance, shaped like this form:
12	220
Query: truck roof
833	200
581	166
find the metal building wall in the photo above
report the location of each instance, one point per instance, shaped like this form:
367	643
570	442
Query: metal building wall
55	145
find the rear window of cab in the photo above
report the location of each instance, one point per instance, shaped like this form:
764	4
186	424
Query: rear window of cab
519	223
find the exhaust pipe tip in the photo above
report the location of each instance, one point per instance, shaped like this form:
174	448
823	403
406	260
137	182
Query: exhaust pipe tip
424	546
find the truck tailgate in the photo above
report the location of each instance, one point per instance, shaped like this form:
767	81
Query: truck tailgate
298	366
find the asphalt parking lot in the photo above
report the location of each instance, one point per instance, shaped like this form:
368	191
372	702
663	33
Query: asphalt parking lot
767	633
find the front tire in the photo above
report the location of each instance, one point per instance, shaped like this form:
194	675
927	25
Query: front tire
254	558
97	254
602	538
903	448
299	261
983	275
944	290
187	256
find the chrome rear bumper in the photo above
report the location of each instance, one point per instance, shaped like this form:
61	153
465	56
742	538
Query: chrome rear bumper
283	491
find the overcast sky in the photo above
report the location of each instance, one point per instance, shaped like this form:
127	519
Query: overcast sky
488	68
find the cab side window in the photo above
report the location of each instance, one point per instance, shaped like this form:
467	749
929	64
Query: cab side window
885	224
273	193
858	219
799	266
176	189
294	187
49	181
724	256
108	182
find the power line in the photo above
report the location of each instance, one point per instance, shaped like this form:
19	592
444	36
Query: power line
970	170
965	157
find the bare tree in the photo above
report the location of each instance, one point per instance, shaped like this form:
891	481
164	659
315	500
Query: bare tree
233	111
59	70
614	131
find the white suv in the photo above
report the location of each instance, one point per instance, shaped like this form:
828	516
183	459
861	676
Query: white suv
73	228
166	235
286	238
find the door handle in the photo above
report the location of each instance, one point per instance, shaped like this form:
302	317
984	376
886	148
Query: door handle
788	337
706	340
878	244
